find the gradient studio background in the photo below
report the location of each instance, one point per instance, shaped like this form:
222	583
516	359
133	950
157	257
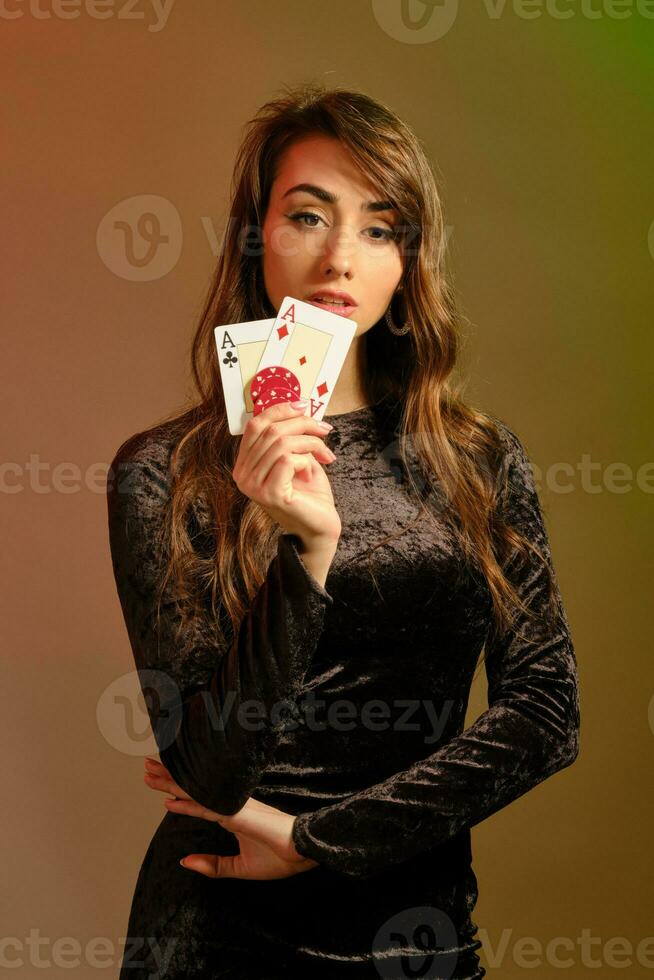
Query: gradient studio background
540	127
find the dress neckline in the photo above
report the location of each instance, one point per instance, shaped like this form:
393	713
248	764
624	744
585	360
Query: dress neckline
355	411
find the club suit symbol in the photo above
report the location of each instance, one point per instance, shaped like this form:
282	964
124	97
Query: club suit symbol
230	360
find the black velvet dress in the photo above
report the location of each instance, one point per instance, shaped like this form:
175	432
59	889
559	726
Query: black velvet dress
373	758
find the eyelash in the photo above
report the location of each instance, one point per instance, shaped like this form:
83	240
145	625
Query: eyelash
389	235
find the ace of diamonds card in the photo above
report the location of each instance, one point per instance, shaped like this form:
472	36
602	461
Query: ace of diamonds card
312	344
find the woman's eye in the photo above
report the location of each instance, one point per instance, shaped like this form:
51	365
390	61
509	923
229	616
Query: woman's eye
386	234
303	214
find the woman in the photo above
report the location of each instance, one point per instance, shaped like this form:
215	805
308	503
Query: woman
306	624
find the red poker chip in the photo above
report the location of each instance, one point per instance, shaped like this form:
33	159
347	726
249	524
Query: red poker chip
276	377
271	384
275	372
272	390
273	397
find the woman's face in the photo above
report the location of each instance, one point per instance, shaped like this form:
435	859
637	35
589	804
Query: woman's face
311	244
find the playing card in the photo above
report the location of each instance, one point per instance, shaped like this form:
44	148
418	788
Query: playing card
240	347
312	344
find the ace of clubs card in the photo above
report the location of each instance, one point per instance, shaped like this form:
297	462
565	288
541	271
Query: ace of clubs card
240	346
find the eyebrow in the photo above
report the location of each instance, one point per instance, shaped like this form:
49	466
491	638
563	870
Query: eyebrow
330	198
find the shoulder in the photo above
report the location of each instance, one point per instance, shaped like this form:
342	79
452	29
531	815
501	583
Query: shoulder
518	497
514	452
510	440
140	469
151	446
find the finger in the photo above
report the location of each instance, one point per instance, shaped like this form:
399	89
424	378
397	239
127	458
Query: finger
279	483
213	865
157	768
192	809
164	785
253	804
157	777
256	426
299	427
258	822
295	446
155	781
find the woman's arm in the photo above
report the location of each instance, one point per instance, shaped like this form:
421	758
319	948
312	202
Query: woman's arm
186	681
530	730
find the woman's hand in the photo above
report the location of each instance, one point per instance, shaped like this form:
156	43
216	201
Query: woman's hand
264	834
277	466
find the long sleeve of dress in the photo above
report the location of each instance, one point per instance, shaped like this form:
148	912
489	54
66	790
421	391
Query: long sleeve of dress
530	730
214	744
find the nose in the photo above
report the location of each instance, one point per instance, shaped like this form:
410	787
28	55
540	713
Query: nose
337	256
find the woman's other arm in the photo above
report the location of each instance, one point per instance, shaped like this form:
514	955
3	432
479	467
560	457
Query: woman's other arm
530	730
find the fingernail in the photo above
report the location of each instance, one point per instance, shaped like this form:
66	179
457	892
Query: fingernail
300	403
182	863
325	425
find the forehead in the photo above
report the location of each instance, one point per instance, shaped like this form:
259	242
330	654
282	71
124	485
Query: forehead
325	161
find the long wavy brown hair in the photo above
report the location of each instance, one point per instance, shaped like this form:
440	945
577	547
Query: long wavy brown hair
458	450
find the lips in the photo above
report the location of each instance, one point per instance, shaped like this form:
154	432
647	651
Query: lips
335	301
